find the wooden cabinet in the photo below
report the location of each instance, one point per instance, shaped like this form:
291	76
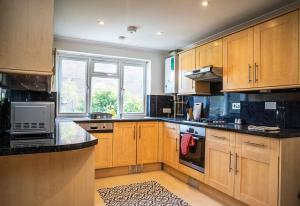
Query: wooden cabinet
171	145
243	166
210	54
238	60
26	36
256	175
276	52
187	63
219	154
104	150
124	144
147	142
263	56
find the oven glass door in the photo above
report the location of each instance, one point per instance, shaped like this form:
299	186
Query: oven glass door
196	155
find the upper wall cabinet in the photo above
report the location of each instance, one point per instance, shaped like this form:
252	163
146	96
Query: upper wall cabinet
209	54
237	60
276	52
264	56
187	63
26	36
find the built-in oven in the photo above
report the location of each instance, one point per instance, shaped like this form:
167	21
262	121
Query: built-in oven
194	155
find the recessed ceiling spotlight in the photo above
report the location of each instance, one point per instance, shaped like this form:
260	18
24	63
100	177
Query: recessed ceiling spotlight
122	37
204	3
159	33
100	22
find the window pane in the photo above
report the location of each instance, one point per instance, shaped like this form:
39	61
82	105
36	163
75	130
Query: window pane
104	95
106	67
72	86
134	91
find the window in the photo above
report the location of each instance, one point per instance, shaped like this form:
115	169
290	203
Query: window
72	81
133	88
92	84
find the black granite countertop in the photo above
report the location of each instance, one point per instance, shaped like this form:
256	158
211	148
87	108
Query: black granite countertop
68	136
283	133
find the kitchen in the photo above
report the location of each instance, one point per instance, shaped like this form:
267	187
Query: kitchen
111	103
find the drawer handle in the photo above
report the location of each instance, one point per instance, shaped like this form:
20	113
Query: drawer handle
254	144
236	163
218	137
230	168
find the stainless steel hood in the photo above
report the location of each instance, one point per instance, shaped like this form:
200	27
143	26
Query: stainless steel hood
207	74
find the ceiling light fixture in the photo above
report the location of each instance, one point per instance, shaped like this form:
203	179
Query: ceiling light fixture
100	22
132	29
159	33
204	3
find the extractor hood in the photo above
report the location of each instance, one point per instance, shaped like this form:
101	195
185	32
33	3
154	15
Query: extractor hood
207	74
26	82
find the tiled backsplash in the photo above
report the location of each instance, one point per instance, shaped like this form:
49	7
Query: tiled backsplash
254	108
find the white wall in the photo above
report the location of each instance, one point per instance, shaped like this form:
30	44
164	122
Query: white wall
155	75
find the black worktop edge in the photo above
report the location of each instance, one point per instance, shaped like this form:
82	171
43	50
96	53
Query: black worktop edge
47	149
285	133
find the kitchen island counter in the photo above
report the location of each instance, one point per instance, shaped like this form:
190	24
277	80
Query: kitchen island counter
68	136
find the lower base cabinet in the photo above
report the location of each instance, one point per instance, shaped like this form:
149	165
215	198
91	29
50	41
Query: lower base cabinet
135	143
124	144
103	150
171	145
257	170
219	168
147	142
245	167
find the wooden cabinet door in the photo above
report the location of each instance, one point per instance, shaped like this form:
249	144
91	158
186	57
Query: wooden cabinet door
210	54
124	144
256	180
171	145
276	51
147	142
104	150
186	64
219	162
238	60
26	36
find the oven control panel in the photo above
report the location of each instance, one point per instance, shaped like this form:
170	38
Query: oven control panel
194	130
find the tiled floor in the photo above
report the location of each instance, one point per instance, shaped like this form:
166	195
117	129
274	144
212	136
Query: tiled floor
182	190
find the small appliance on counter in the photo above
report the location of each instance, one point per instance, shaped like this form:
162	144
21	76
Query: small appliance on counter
100	115
197	111
31	123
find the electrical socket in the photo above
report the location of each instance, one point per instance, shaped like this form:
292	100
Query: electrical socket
236	106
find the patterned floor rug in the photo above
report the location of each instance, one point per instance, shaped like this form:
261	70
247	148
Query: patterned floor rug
138	194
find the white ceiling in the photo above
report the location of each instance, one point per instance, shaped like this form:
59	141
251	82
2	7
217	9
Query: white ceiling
182	21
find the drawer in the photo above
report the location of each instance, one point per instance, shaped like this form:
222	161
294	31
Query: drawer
252	145
170	125
219	136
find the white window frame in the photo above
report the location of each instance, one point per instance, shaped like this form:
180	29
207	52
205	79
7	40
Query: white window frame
121	62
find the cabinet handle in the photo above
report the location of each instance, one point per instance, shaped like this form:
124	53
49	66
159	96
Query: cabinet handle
230	168
255	72
249	72
218	137
140	132
254	144
236	162
176	145
192	84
